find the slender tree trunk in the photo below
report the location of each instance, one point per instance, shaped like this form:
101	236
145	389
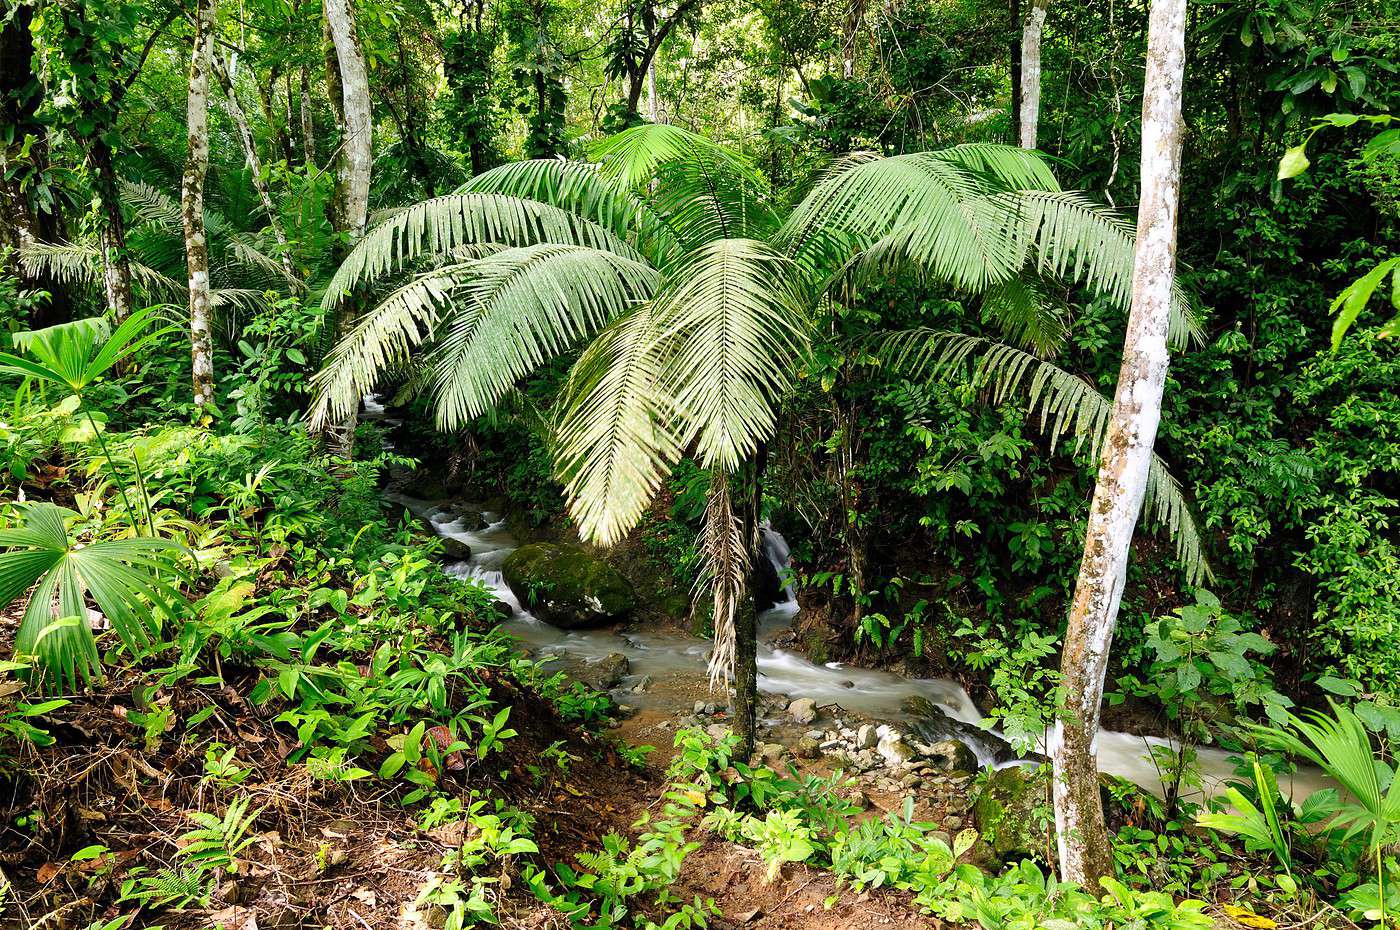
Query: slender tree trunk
1029	115
192	204
1016	71
250	155
653	98
24	156
855	15
350	99
1085	855
308	123
111	233
746	621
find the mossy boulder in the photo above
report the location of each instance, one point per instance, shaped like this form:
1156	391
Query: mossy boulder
1011	812
565	586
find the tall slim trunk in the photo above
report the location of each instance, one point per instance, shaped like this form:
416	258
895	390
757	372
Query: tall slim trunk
250	155
1029	117
1016	38
111	232
1084	849
24	222
850	31
653	98
192	204
308	123
350	98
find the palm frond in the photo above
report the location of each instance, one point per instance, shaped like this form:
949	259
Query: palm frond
122	577
582	189
1069	236
1026	315
614	442
702	189
521	307
1005	166
920	207
80	264
382	339
737	331
1068	406
439	225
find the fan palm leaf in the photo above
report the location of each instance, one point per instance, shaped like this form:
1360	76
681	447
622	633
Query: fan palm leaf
1068	406
122	577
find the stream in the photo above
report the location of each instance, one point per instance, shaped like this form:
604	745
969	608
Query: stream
880	695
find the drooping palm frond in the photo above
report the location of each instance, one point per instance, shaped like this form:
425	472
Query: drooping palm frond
702	189
1026	315
737	330
583	190
519	308
1067	405
614	440
927	209
122	577
1069	236
382	339
725	569
80	263
442	224
153	207
1008	167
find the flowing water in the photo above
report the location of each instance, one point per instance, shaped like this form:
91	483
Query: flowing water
880	695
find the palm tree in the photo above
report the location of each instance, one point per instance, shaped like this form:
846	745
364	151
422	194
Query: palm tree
695	294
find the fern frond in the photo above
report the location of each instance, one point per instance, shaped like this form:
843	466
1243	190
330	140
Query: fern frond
1067	405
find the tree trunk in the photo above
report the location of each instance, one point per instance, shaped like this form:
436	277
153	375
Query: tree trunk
1085	855
1016	71
1029	116
350	98
250	155
111	233
308	123
24	156
192	204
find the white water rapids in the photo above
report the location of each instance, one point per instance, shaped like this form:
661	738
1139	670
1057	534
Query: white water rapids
874	693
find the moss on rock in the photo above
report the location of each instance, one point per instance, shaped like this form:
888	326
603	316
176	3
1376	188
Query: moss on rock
566	586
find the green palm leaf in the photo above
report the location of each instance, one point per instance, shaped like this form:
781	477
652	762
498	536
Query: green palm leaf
1068	405
614	442
737	330
519	308
583	189
122	577
438	226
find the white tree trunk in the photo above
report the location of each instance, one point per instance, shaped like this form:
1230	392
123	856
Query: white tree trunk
1084	850
653	98
356	145
1029	103
350	98
192	204
250	155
